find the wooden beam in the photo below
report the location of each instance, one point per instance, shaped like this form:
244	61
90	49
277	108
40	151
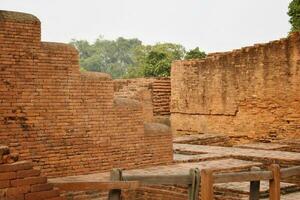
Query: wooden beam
160	179
275	183
243	176
207	191
291	171
88	186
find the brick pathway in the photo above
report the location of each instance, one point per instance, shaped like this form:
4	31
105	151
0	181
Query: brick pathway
292	196
264	146
268	155
196	158
243	187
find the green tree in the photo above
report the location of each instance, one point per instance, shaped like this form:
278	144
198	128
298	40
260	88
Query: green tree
129	58
109	56
294	13
157	61
195	54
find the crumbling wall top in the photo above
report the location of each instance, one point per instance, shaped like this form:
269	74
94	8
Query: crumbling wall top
18	17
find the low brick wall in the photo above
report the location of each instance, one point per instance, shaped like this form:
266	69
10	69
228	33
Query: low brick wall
153	93
20	181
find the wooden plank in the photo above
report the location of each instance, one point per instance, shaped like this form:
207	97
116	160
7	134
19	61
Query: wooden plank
115	194
207	191
88	186
242	176
160	179
275	183
291	171
254	187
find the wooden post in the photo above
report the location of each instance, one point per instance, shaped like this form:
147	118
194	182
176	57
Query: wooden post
115	175
191	186
254	187
198	182
275	183
193	189
207	191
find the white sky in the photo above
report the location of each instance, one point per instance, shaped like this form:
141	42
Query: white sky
213	25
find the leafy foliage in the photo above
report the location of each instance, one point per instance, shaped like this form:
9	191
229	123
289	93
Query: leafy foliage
195	54
294	13
128	58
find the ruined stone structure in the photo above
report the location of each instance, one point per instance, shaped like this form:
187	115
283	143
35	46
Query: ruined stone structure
153	93
65	121
253	91
69	122
19	181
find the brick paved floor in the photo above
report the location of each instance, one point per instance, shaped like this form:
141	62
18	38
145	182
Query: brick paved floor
259	154
196	158
292	196
264	146
243	188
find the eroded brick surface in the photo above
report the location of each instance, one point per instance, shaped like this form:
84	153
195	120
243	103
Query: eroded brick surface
251	91
22	182
65	121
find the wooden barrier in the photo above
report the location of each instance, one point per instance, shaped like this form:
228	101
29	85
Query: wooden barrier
191	179
255	176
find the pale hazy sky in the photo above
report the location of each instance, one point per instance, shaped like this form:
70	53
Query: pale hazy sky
213	25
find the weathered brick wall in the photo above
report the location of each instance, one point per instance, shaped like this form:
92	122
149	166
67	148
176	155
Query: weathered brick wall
253	91
66	121
161	96
153	93
20	181
139	89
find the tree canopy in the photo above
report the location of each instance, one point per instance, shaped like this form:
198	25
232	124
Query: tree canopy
294	13
195	54
127	58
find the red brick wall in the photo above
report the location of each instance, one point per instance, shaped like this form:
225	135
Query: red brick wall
67	122
161	96
252	91
153	93
20	181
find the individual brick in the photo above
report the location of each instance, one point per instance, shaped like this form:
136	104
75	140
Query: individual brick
28	181
22	165
8	175
4	184
28	173
16	191
41	187
43	194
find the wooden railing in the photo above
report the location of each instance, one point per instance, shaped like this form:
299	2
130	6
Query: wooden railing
195	181
273	175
